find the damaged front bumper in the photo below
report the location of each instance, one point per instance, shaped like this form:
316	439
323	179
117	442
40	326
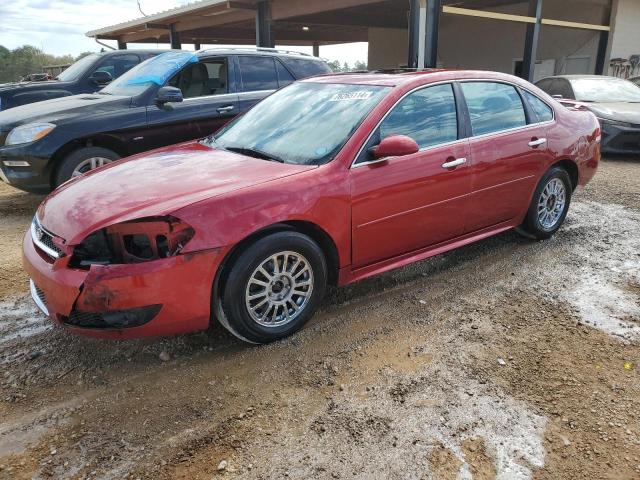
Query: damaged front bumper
161	297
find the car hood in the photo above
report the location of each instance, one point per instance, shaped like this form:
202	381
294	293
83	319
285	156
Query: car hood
620	111
32	86
58	110
153	184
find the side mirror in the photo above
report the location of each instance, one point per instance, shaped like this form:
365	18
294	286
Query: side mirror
101	78
168	95
395	146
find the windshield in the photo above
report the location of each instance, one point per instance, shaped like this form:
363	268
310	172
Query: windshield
605	89
75	71
305	123
153	72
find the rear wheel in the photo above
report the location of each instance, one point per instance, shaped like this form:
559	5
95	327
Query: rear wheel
549	205
274	287
83	160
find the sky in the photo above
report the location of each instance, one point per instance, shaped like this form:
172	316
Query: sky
58	26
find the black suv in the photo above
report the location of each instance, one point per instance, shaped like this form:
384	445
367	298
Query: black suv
87	75
171	98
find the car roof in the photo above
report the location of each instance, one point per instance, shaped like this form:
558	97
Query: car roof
396	78
578	77
268	52
137	51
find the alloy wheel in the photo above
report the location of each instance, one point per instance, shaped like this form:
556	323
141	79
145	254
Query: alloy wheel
279	289
89	164
551	203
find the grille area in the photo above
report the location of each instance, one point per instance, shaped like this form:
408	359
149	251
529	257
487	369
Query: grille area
118	319
44	240
87	320
38	297
40	294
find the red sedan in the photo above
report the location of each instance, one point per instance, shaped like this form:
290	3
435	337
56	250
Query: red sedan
328	181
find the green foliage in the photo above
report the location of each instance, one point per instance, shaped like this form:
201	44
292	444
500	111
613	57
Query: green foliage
14	64
336	66
359	65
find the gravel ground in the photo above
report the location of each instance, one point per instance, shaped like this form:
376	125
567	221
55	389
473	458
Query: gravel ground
508	359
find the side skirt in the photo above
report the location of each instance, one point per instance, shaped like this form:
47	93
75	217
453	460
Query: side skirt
347	275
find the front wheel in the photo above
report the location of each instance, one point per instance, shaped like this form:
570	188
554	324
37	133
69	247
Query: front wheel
82	161
549	205
274	287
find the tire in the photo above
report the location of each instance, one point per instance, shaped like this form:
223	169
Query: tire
259	302
77	158
547	212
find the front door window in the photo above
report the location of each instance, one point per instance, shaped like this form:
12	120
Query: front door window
202	79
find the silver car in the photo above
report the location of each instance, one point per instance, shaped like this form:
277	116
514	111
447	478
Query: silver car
616	103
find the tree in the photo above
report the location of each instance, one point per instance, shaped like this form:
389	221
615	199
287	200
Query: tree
360	66
335	65
15	64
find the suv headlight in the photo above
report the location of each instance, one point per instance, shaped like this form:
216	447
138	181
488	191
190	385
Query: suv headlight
137	241
28	133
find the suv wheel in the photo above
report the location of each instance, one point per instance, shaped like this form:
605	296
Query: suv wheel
82	161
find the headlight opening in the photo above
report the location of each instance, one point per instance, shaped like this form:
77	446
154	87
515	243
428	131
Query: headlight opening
138	241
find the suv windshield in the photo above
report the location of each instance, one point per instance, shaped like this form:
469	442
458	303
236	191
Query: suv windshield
605	89
75	71
153	72
305	123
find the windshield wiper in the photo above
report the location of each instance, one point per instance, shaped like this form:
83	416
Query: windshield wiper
255	153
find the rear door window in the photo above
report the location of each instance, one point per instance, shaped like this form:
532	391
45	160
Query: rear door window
427	115
284	76
544	84
205	78
258	73
562	87
543	112
493	107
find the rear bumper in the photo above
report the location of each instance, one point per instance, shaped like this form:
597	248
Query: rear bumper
180	286
620	139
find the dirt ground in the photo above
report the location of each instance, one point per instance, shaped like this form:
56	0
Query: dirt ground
508	359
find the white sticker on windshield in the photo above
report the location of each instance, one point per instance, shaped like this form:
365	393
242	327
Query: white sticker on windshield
353	96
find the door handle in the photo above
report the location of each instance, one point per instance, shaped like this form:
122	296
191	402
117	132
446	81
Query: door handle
454	163
537	142
226	109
